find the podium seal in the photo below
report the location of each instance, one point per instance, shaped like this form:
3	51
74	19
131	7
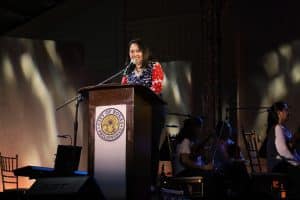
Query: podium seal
110	124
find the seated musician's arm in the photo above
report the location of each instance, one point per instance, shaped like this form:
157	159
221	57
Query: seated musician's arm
281	146
185	157
187	162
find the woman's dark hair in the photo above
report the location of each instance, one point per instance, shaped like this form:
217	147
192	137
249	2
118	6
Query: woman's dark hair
188	129
272	114
145	50
271	122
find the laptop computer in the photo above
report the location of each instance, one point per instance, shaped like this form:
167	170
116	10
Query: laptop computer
67	159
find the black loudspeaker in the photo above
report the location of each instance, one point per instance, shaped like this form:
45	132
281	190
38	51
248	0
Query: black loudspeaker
65	188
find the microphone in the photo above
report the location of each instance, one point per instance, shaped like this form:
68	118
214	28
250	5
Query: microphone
130	66
63	136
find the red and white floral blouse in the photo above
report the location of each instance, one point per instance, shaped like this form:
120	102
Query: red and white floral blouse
152	77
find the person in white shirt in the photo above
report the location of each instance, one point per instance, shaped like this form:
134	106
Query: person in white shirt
279	137
280	155
190	159
187	163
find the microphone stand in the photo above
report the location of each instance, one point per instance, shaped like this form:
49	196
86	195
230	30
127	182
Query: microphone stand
76	119
66	136
78	98
247	108
111	77
68	102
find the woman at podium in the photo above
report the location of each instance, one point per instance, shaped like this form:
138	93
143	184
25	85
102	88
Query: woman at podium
140	70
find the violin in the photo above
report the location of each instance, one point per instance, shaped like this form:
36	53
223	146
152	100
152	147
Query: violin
202	149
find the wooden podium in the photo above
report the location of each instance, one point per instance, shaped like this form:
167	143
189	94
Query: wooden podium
121	122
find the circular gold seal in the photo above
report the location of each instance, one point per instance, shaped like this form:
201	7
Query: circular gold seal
110	124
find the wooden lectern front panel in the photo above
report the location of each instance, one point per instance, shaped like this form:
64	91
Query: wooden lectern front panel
139	104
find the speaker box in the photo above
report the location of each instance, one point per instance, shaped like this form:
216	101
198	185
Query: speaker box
67	188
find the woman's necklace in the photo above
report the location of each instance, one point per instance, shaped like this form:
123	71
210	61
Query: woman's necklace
138	71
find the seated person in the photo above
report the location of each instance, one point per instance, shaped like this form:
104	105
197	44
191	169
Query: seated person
228	161
279	153
189	160
186	162
280	156
226	150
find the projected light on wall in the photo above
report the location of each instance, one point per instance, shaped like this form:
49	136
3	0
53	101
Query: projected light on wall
33	81
177	92
8	72
282	77
295	73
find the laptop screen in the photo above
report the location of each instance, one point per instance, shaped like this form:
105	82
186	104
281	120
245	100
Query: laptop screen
67	159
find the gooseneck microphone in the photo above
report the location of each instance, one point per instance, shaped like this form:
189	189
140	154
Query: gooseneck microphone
130	66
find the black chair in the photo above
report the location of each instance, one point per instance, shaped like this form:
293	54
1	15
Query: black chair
268	184
252	150
183	188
